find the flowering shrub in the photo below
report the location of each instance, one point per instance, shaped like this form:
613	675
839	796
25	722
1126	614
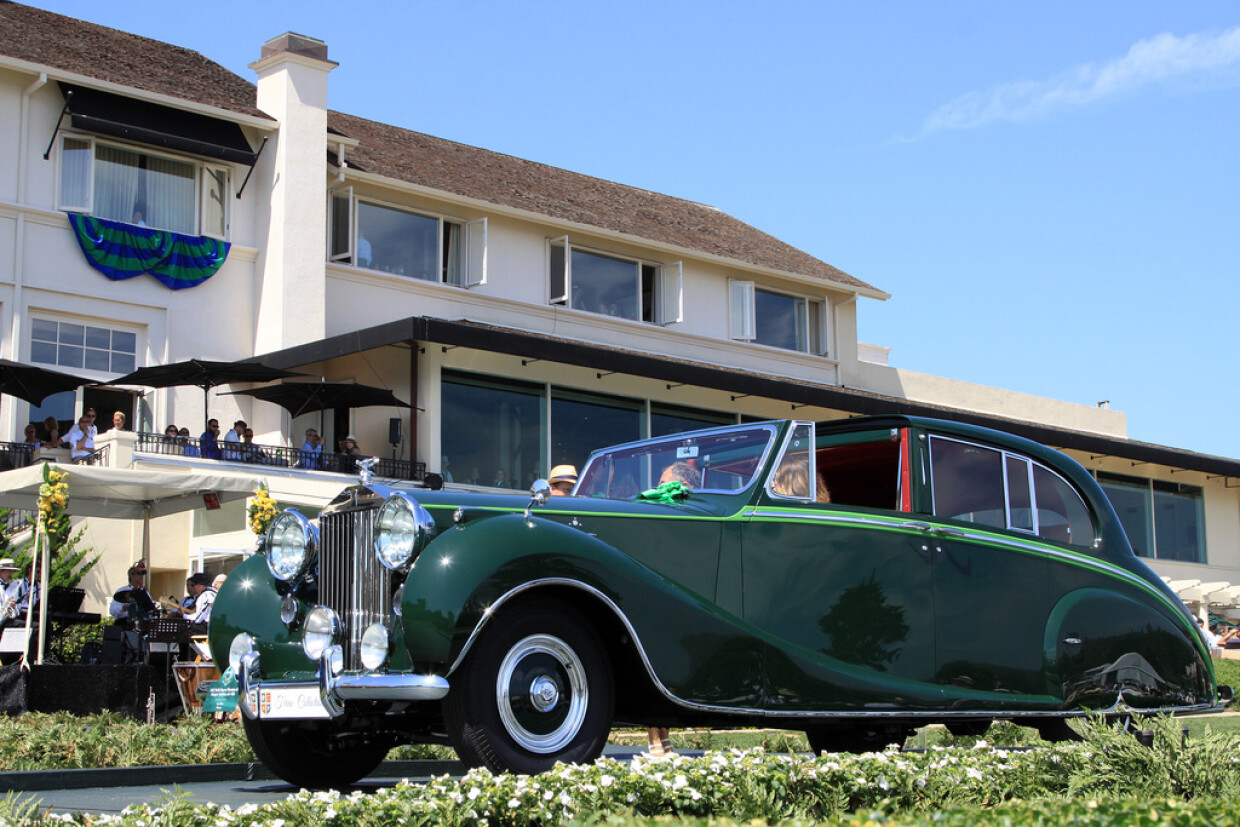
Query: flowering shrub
262	510
53	494
941	786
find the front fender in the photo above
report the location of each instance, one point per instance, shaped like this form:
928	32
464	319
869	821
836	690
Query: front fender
459	581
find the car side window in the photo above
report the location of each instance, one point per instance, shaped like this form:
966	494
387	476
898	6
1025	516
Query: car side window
1062	514
967	481
995	488
861	470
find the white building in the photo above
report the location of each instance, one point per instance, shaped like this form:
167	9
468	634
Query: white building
527	313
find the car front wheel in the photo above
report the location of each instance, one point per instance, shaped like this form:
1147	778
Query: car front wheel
536	689
313	754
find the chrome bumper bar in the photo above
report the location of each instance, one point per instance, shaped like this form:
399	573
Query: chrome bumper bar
336	687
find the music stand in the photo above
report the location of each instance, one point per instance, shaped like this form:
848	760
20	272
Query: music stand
166	632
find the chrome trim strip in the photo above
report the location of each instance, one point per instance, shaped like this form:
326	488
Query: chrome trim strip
766	713
389	687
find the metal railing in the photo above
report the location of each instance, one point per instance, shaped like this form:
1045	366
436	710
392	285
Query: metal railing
97	457
15	455
280	456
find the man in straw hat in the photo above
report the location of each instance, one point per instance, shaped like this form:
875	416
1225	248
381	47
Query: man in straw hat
562	479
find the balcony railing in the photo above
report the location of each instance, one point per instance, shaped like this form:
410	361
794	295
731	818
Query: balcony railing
15	455
279	456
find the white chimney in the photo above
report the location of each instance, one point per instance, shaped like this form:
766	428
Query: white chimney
292	88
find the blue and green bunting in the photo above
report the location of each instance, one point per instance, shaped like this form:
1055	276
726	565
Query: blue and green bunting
122	251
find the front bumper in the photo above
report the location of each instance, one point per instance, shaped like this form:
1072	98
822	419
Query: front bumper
327	697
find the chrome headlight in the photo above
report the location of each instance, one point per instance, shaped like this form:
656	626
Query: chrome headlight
321	630
402	529
292	543
374	650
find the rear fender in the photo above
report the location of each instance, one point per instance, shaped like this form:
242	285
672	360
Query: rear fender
1103	648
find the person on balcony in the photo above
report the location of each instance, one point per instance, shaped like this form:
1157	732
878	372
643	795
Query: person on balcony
208	443
232	440
188	448
51	434
81	437
312	451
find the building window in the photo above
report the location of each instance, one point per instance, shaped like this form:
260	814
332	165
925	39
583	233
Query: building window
584	422
666	420
124	184
82	347
405	243
613	285
491	424
492	429
1163	520
778	320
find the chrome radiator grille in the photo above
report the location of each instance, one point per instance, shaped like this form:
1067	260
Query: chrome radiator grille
352	581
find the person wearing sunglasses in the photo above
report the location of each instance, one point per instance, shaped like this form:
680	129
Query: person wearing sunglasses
81	437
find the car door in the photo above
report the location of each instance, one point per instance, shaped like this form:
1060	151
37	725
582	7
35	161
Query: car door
842	589
990	572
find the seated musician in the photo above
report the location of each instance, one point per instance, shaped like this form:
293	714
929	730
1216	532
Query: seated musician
199	587
132	603
20	595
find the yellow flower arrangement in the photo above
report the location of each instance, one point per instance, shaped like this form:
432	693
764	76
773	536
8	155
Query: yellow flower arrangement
262	510
53	494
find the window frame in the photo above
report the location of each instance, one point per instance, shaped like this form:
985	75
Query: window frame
666	293
471	270
202	170
815	312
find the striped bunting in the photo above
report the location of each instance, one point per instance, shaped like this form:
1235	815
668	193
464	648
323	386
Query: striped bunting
121	251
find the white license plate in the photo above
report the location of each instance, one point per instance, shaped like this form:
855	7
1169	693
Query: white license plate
290	702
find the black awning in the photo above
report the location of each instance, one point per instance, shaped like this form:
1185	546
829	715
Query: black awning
480	336
157	125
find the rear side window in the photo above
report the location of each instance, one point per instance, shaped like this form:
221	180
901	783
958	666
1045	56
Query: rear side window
982	485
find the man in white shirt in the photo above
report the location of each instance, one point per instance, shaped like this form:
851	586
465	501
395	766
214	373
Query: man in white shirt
199	587
81	437
232	440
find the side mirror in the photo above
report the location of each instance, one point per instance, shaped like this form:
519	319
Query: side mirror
540	493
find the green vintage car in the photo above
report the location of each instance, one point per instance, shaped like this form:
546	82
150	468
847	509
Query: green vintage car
853	579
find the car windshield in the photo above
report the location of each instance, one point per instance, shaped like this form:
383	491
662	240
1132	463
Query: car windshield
704	461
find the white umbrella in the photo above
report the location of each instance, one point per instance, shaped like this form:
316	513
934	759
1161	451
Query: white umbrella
119	493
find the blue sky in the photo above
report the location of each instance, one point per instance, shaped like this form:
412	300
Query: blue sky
1048	190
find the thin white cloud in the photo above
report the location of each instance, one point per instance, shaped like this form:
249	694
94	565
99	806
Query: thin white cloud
1195	58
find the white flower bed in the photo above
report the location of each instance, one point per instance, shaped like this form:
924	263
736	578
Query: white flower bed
737	784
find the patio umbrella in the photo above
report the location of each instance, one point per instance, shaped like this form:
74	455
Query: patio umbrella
303	397
203	373
34	384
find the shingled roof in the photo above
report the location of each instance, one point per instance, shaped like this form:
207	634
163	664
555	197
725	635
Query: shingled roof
87	49
413	157
90	50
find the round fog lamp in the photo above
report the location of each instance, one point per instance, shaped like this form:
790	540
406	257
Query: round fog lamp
321	628
241	646
374	649
289	611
